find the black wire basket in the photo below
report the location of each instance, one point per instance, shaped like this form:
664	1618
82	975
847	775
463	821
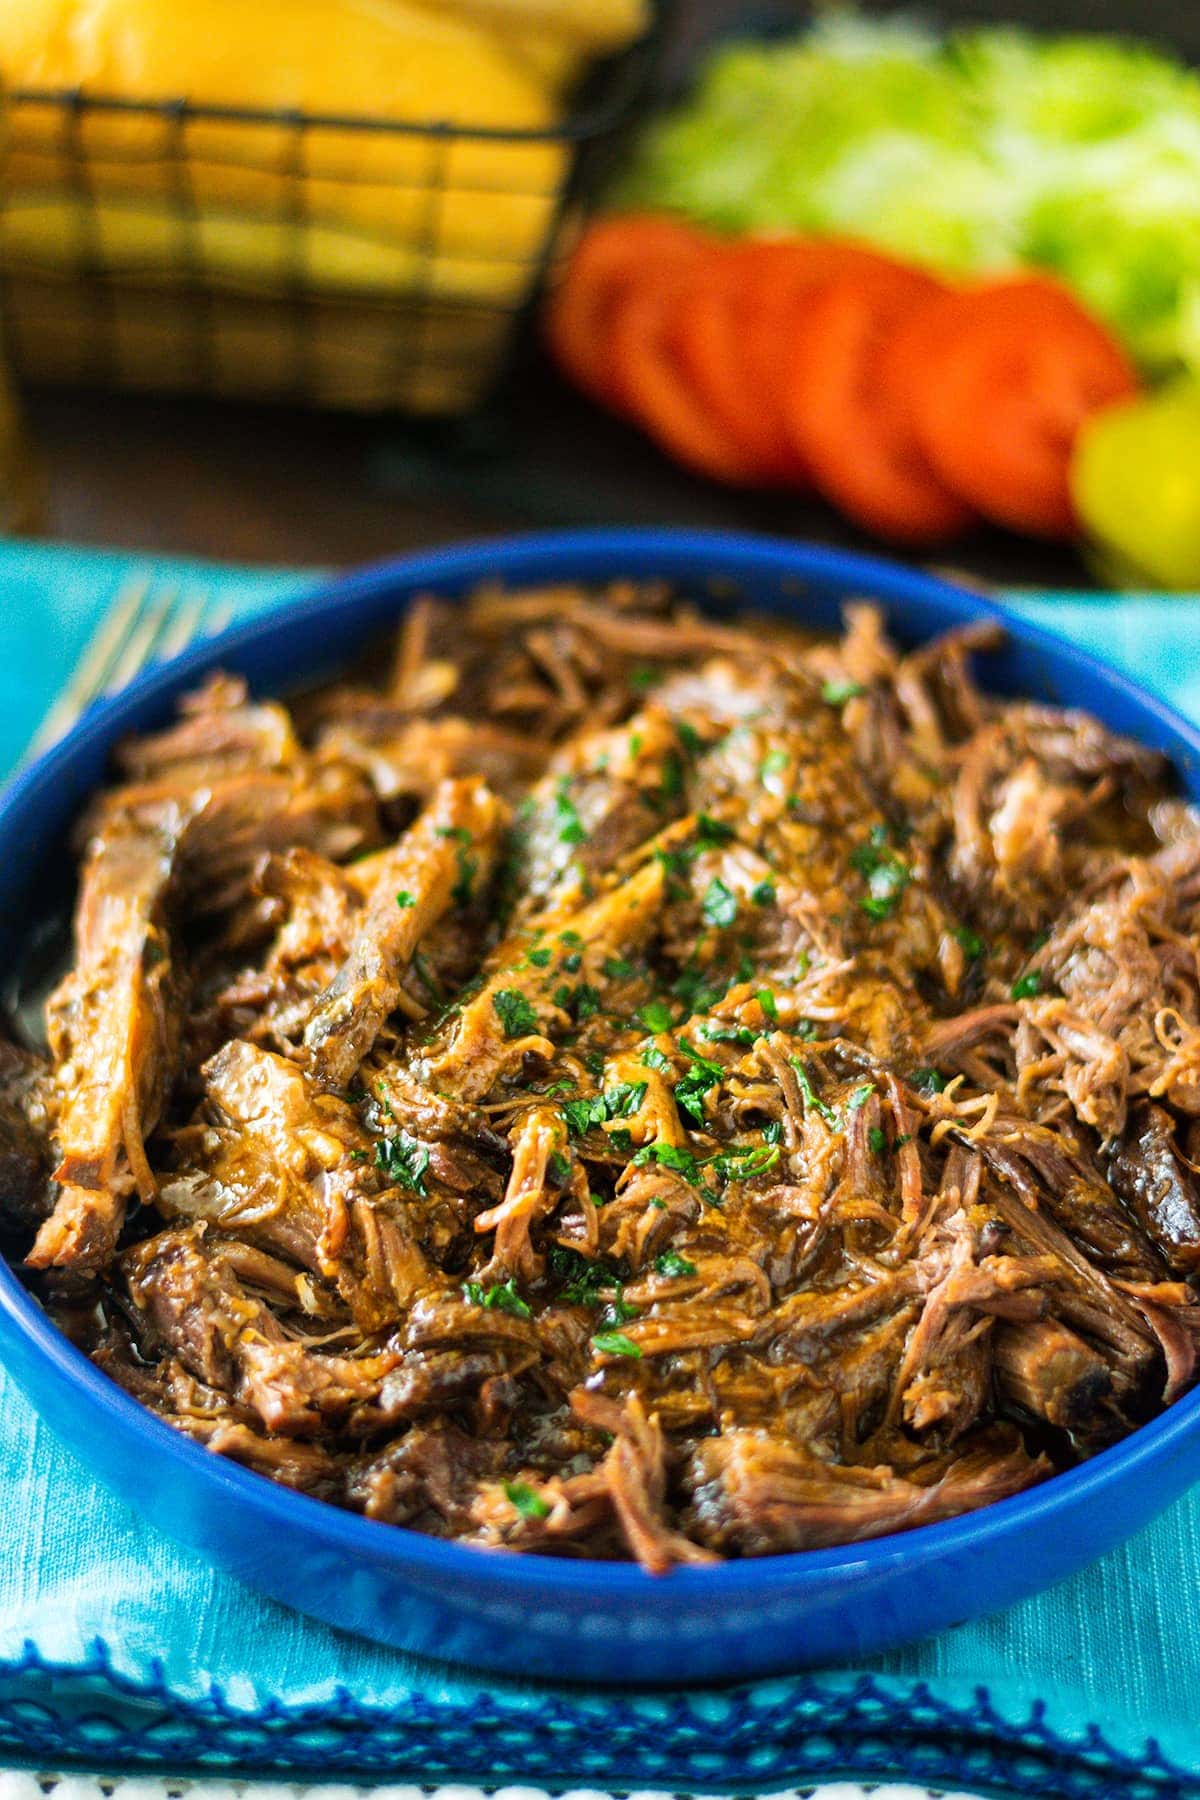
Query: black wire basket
353	262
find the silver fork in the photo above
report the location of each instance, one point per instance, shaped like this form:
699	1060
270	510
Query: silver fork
142	624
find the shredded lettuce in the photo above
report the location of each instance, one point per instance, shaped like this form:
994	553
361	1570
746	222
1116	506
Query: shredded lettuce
980	152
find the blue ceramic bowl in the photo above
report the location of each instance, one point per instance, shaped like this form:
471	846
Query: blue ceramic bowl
524	1615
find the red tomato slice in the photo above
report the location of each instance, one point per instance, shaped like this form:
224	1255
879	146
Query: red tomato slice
655	389
612	255
1021	368
713	319
853	431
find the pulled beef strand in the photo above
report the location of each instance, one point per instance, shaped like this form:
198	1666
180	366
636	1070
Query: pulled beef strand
630	1085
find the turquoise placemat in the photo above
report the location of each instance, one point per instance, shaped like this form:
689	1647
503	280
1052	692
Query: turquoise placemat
117	1649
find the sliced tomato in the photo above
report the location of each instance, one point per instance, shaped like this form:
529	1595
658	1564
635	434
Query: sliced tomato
1021	367
656	390
854	433
713	319
613	254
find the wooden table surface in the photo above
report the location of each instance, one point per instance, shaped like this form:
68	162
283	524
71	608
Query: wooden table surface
262	485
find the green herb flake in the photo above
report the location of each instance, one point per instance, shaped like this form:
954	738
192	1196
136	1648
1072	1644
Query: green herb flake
701	1077
766	1000
812	1098
860	1096
671	1264
763	894
615	1343
644	677
624	1099
502	1296
559	1169
720	905
539	958
970	942
885	874
836	693
712	833
717	1033
655	1016
689	737
403	1160
877	1139
516	1015
404	900
617	968
529	1504
653	1058
1027	987
928	1081
773	763
668	1156
570	825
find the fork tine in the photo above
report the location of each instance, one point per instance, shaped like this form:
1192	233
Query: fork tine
91	673
218	617
181	627
139	645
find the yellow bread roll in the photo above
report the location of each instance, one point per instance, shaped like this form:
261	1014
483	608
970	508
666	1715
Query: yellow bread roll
343	58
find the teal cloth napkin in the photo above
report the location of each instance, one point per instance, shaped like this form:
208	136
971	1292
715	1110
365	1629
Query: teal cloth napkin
117	1648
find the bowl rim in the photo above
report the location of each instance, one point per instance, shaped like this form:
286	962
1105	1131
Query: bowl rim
529	557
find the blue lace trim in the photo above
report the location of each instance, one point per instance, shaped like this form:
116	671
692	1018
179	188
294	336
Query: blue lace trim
772	1734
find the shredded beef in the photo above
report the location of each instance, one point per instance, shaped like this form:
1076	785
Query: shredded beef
630	1083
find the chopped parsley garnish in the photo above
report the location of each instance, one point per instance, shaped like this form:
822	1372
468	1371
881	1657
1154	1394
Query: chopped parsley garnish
812	1098
928	1081
618	1311
403	1160
558	1087
502	1296
669	1156
616	968
773	763
772	1131
741	1163
689	737
527	1503
514	1012
467	864
671	1264
570	825
716	1033
583	1280
558	1168
655	1016
624	1099
697	989
763	894
618	1102
672	777
970	941
615	1343
653	1058
404	899
712	833
720	905
696	1083
885	874
539	958
766	1000
877	1139
836	693
1027	987
860	1096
